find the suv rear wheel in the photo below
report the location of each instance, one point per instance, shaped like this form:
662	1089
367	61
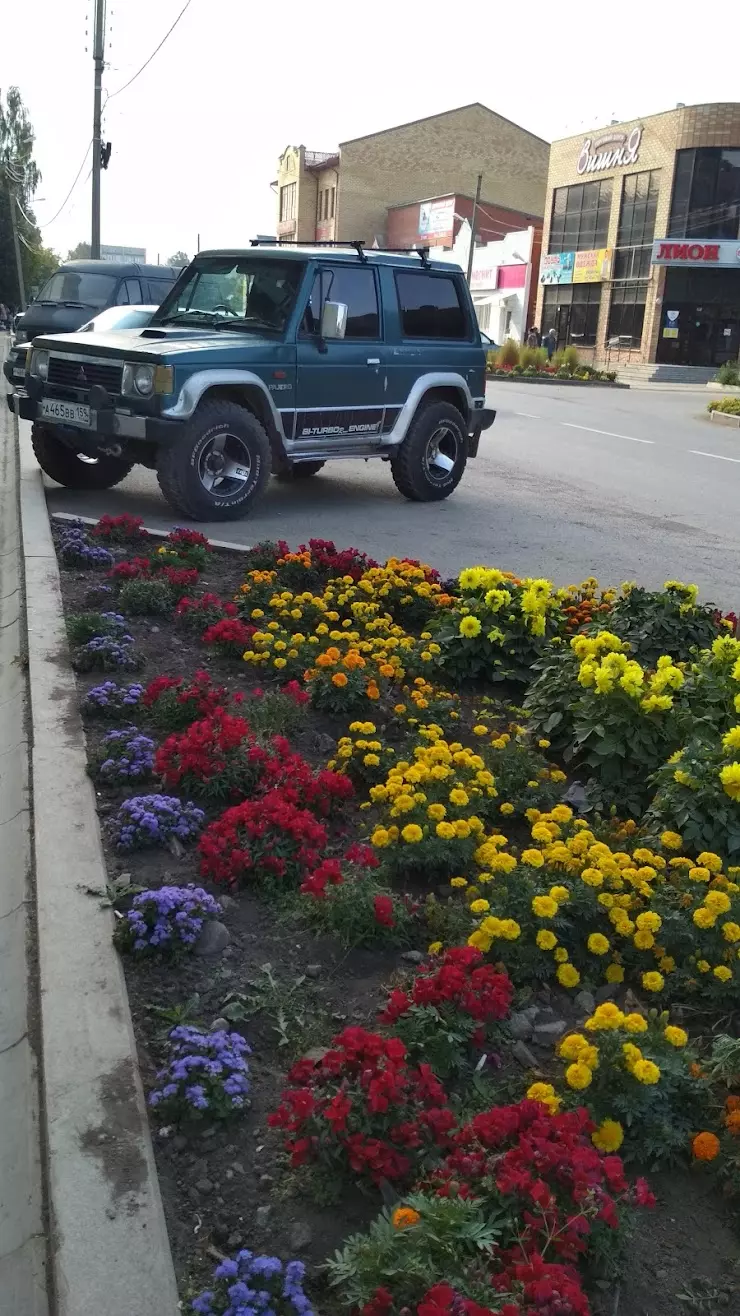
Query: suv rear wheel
219	467
430	462
72	468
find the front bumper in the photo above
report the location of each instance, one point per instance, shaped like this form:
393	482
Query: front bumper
105	425
480	420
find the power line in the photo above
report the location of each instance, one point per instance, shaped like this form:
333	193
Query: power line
170	30
47	222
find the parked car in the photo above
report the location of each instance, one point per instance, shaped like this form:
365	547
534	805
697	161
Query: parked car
115	318
80	289
272	358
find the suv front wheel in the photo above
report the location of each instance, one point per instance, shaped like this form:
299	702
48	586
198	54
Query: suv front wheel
430	462
74	469
219	467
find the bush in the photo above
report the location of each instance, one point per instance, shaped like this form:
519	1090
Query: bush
362	1112
206	1073
728	406
85	626
147	598
284	710
262	841
167	921
570	358
698	791
448	1016
636	1075
668	621
729	373
173	704
357	906
107	653
497	627
229	637
217	758
197	614
123	529
508	354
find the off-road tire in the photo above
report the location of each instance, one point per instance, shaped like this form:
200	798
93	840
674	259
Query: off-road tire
298	471
64	465
180	462
410	465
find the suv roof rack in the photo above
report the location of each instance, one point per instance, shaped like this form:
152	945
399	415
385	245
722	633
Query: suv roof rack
358	245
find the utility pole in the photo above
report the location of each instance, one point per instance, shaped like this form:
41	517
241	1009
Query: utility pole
476	203
98	53
17	245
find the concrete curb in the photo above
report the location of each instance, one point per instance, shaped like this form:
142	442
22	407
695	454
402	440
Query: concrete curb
157	534
110	1250
732	389
23	1247
553	379
725	418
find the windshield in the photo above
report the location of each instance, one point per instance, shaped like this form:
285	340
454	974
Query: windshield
120	317
242	292
77	286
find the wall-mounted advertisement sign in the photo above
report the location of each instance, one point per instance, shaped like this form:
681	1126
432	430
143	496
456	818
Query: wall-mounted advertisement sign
592	266
557	267
610	150
670	324
436	222
716	255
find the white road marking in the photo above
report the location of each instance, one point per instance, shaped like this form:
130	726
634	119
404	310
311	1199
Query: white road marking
528	414
610	433
697	453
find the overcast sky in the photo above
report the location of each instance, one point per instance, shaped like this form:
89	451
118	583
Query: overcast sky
197	136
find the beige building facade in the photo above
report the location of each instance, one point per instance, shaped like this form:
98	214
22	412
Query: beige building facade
641	244
345	195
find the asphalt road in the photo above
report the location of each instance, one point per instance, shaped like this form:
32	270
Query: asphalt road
622	484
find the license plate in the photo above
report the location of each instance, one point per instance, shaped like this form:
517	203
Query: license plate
19	373
70	413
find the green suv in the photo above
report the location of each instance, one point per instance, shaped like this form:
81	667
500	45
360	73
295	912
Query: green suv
274	359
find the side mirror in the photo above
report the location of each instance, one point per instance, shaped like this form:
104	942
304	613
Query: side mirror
334	320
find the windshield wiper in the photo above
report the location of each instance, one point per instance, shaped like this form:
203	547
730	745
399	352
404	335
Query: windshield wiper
186	317
248	321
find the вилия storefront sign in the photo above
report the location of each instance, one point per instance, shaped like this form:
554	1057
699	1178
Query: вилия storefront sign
608	151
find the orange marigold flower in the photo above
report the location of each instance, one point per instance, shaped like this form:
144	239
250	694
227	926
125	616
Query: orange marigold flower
404	1216
696	1070
732	1122
373	691
339	679
705	1146
386	670
732	1103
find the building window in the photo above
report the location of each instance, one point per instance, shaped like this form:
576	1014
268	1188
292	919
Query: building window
706	194
430	306
627	313
287	201
632	262
638	209
580	216
353	286
573	311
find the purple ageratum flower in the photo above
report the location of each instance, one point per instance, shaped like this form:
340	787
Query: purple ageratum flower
252	1285
111	700
125	755
146	820
107	653
75	550
206	1072
169	920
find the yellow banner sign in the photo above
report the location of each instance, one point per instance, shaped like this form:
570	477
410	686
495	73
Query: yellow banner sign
592	266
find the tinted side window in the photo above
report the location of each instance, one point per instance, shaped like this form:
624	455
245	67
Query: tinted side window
430	306
158	289
133	288
122	299
355	287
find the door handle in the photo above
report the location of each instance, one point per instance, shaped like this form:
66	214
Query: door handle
373	360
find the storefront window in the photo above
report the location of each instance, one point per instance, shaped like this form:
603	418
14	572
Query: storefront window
638	209
627	313
632	262
580	216
706	194
573	311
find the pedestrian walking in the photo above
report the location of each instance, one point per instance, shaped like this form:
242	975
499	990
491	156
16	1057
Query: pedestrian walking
533	337
4	316
551	343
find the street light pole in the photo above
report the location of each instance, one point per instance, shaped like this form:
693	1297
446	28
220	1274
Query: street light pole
476	203
17	246
98	52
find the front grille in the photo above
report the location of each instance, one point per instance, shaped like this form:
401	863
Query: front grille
81	375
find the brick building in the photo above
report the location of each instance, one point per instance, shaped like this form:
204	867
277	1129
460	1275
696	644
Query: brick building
424	168
641	244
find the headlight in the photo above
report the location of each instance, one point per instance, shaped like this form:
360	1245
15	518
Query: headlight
138	380
40	365
21	336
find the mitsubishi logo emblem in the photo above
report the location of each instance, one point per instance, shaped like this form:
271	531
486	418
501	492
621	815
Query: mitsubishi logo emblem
81	376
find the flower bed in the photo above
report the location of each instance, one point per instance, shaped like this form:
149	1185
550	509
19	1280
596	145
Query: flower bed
472	912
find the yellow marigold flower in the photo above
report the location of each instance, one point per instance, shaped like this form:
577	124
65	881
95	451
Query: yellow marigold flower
609	1136
704	918
546	940
731	931
544	907
556	774
434	947
412	833
462	828
710	860
578	1076
479	907
559	893
703	966
605	1017
573	1046
598	944
480	730
502	863
458	881
644	940
698	874
676	1036
510	929
722	972
635	1023
568	975
436	812
445	831
380	838
459	797
592	877
730	778
653	981
731	740
506	808
631	1054
561	955
645	1071
371	761
649	921
615	973
533	858
718	901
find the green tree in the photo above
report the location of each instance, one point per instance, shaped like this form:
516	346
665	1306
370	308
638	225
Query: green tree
19	180
80	252
179	258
